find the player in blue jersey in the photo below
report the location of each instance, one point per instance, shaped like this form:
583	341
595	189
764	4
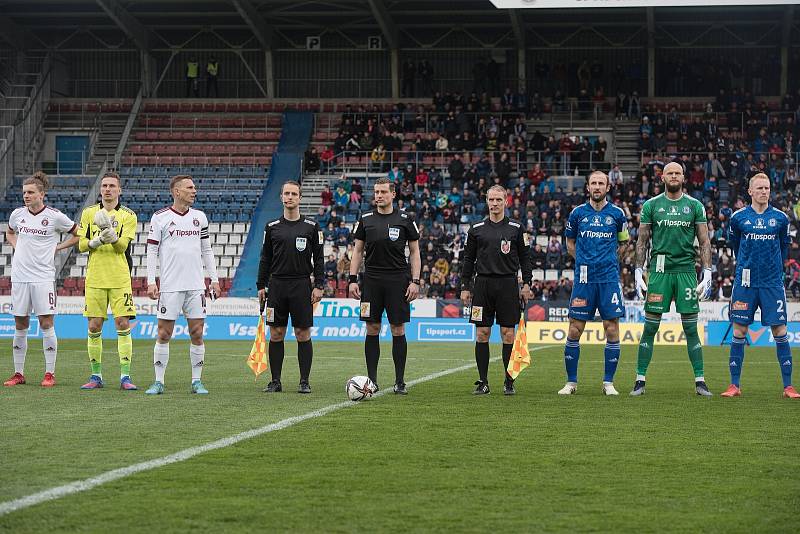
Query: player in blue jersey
759	237
594	233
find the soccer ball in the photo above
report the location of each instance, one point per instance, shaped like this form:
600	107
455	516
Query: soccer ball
359	388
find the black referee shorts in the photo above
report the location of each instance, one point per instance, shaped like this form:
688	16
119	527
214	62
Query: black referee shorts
290	296
495	297
385	292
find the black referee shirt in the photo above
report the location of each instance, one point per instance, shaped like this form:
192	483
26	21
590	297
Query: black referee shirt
289	248
385	238
498	249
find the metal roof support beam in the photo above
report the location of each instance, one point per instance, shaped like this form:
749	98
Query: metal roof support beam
651	51
134	29
17	36
786	34
264	33
518	26
391	34
255	22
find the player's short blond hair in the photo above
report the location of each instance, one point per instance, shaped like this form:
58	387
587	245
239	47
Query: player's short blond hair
497	187
759	176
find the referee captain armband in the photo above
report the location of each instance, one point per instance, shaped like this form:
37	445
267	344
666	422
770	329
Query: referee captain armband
352	279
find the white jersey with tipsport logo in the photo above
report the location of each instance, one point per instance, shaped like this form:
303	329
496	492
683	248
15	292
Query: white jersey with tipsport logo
181	240
38	234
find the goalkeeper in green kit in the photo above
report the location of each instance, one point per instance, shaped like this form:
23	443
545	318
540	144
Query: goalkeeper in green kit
672	220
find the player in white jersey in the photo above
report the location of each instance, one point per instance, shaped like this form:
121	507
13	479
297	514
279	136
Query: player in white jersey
179	242
34	231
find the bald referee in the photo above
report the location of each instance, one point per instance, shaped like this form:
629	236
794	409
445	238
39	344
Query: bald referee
390	281
497	250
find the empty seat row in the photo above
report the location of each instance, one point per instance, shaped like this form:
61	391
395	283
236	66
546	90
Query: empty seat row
216	135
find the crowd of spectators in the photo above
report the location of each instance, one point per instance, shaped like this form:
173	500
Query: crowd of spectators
721	148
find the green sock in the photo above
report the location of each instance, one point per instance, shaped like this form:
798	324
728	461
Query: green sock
693	345
94	346
125	349
646	345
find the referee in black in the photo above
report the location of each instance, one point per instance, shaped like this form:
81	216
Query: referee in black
497	249
293	249
389	282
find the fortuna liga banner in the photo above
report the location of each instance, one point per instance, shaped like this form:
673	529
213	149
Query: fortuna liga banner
560	4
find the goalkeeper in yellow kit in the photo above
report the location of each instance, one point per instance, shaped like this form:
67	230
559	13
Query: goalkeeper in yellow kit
106	232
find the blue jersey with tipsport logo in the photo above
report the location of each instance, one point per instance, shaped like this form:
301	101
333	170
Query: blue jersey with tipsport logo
760	242
597	235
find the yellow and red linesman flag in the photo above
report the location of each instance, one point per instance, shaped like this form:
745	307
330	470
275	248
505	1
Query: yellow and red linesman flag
520	357
257	361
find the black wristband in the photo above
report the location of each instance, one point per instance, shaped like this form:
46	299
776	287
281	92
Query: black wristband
415	281
353	279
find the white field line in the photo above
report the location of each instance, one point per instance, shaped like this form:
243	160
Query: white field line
116	474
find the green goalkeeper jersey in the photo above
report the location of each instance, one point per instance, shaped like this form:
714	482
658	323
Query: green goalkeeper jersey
673	232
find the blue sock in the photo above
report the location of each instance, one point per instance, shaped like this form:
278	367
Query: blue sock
784	352
611	355
736	359
572	353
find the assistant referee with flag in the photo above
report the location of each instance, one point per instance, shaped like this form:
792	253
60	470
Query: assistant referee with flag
293	250
497	250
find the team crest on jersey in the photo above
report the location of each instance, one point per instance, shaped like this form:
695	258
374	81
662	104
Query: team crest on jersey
476	313
609	221
195	222
45	222
760	223
772	223
505	246
686	210
596	220
114	222
394	233
300	243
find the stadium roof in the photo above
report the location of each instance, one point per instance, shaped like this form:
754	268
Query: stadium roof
156	23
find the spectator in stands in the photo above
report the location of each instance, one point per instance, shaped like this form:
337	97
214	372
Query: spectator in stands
377	159
192	72
615	177
212	74
494	77
409	73
328	160
323	217
330	267
327	197
553	257
312	160
565	149
425	71
342	198
538	257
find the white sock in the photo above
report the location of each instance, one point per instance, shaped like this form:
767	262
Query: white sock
160	360
700	379
197	354
19	350
640	378
50	346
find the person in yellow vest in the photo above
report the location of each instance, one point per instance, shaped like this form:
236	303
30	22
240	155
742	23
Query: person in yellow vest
192	68
212	70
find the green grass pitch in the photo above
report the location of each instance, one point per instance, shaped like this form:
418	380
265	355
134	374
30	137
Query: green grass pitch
436	460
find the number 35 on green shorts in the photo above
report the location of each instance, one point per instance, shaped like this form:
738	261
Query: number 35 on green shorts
662	288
